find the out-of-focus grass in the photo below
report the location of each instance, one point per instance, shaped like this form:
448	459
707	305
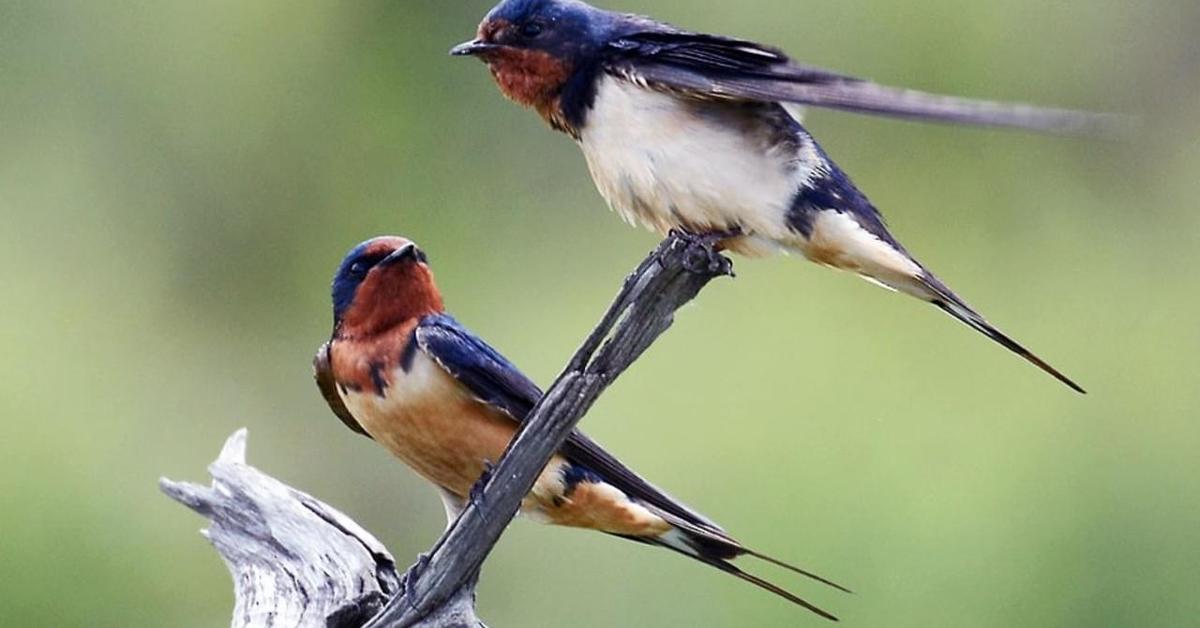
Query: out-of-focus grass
177	182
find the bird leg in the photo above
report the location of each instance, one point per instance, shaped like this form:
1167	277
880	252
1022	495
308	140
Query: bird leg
476	494
414	571
475	497
704	251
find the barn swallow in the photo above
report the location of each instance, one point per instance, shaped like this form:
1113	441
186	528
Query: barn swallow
701	133
402	372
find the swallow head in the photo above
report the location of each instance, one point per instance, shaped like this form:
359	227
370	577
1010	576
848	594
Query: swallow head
533	47
381	283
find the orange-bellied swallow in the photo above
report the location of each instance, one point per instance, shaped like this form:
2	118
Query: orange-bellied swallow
701	133
404	373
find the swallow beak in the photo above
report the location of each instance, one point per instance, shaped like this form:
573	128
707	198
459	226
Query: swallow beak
407	253
473	48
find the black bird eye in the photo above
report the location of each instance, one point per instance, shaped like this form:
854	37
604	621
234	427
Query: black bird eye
531	30
363	265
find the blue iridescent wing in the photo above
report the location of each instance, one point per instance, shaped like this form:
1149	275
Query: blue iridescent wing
487	374
721	68
495	381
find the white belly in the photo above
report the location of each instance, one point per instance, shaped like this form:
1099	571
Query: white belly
666	162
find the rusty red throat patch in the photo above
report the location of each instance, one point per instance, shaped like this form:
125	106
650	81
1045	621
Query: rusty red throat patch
532	78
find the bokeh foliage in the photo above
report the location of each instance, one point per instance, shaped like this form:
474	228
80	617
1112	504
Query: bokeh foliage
178	180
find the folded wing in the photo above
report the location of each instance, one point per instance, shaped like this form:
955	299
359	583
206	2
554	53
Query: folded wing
323	373
495	381
712	67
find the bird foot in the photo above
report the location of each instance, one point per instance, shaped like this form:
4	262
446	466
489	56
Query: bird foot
703	255
477	487
414	571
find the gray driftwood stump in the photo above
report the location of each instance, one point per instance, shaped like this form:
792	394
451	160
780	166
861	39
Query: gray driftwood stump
296	561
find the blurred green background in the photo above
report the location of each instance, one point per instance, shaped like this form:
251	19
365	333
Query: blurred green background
178	181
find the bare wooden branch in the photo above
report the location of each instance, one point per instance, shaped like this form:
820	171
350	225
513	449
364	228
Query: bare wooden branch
298	562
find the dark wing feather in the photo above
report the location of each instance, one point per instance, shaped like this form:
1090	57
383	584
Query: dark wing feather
323	373
495	381
582	450
476	365
707	66
716	54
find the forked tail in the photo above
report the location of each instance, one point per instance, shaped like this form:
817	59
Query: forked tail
715	548
949	303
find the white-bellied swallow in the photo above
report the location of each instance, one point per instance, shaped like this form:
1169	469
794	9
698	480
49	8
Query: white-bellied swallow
700	133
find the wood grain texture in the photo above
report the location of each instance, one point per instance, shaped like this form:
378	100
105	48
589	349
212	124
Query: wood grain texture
295	560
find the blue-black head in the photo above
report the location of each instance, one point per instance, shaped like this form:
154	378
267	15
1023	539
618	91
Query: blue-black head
545	54
381	282
564	29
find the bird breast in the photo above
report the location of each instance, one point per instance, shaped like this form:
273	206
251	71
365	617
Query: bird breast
668	161
433	424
